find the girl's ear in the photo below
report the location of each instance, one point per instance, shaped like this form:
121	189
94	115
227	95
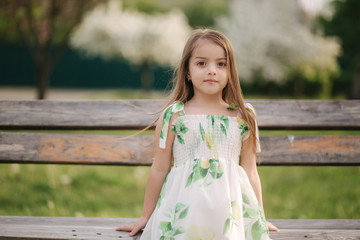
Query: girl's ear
188	76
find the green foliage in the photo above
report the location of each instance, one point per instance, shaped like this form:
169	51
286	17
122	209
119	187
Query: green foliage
345	24
8	32
146	6
202	13
38	21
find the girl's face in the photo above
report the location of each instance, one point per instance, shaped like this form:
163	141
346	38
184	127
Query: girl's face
207	68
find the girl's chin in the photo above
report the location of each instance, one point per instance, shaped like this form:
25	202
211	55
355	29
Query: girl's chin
209	89
212	93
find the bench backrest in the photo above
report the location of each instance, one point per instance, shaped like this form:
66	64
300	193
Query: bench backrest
73	148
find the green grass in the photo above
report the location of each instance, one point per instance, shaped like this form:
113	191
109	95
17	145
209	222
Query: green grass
71	190
311	192
117	191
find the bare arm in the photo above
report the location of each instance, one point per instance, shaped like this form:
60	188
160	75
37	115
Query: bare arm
158	172
248	162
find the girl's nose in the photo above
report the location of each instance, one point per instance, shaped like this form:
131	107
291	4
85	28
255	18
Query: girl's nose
211	69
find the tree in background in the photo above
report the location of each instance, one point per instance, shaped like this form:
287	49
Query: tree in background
45	27
200	13
142	39
345	24
269	38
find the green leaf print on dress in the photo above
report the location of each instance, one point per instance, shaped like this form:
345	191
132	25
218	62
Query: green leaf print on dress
180	129
165	123
205	169
235	214
170	228
215	123
257	224
242	125
161	193
224	125
176	107
202	132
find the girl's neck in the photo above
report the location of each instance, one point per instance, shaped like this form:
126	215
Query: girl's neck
207	100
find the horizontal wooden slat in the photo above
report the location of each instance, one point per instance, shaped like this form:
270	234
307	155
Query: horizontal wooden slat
85	114
317	224
327	234
135	114
75	149
138	150
12	227
308	114
310	150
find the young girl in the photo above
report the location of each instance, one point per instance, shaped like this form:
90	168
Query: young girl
213	189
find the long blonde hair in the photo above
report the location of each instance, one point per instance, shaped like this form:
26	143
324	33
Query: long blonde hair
183	90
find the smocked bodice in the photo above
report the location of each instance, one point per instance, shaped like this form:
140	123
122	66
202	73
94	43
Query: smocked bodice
207	137
204	137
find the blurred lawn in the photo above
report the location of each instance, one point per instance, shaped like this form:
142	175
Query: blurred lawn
118	191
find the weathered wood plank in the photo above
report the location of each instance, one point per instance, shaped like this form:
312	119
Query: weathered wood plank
343	224
63	228
310	150
75	149
327	234
13	227
83	114
65	221
138	150
135	114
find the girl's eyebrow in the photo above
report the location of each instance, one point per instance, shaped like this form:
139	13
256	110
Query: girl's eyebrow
207	58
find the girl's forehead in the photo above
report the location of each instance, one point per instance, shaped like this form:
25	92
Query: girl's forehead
206	47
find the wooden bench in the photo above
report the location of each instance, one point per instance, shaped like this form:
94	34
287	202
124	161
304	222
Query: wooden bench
65	148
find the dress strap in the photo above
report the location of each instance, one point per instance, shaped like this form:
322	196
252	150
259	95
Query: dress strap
168	112
249	107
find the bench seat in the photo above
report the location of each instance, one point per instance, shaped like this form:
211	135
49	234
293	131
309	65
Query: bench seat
14	227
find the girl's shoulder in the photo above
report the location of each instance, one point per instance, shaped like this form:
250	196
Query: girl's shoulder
176	108
171	109
250	108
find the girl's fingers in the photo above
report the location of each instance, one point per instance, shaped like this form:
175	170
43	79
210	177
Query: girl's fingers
127	228
272	227
134	230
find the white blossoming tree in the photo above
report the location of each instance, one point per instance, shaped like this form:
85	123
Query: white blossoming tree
144	40
269	36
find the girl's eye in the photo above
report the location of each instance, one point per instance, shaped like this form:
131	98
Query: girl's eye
201	63
222	64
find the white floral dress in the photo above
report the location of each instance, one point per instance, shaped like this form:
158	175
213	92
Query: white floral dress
207	194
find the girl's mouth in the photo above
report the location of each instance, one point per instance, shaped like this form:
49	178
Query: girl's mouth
210	81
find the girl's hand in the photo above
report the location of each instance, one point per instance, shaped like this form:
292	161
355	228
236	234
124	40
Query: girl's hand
134	228
272	227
